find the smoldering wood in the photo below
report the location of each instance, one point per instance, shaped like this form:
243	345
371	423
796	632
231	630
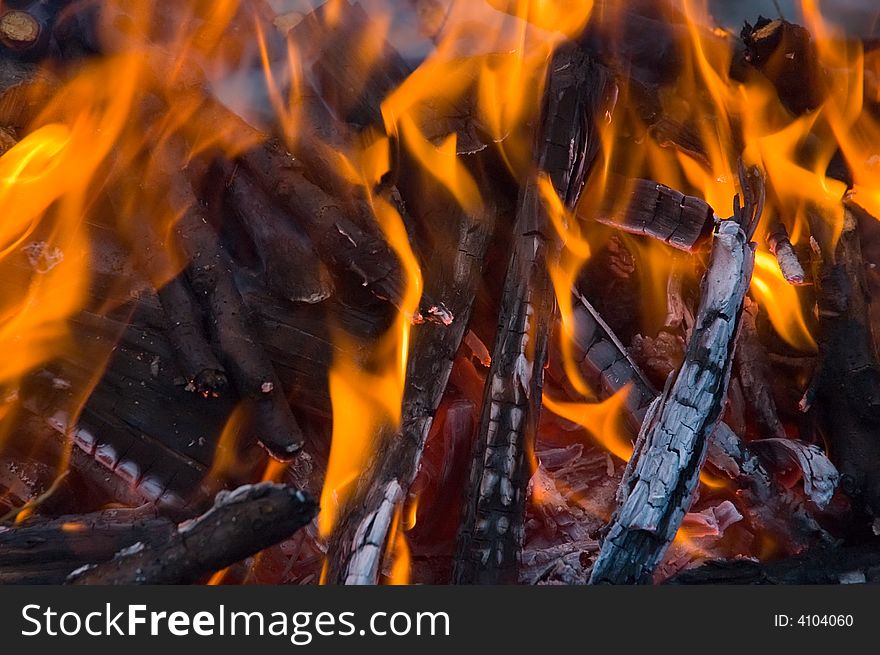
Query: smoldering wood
606	367
241	523
26	28
647	208
789	262
357	546
662	475
856	564
767	505
43	551
491	530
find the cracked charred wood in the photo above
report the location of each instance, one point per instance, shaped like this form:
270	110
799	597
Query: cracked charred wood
45	552
210	273
241	523
356	550
829	565
845	390
606	366
751	364
786	55
291	268
647	208
789	263
491	529
663	473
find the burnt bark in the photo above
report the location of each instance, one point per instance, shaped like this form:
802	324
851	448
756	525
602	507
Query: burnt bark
241	523
845	391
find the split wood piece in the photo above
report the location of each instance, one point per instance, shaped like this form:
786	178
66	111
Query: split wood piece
606	366
45	552
651	209
356	550
845	390
211	276
663	474
241	523
786	55
789	263
844	565
751	364
291	267
490	535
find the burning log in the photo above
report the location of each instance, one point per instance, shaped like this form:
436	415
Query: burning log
241	523
655	210
663	473
785	53
355	551
490	535
338	239
45	552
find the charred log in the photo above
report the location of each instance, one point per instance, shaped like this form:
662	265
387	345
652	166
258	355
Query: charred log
355	552
647	208
241	523
845	391
45	552
490	535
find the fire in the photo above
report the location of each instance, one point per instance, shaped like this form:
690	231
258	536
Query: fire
601	420
366	394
